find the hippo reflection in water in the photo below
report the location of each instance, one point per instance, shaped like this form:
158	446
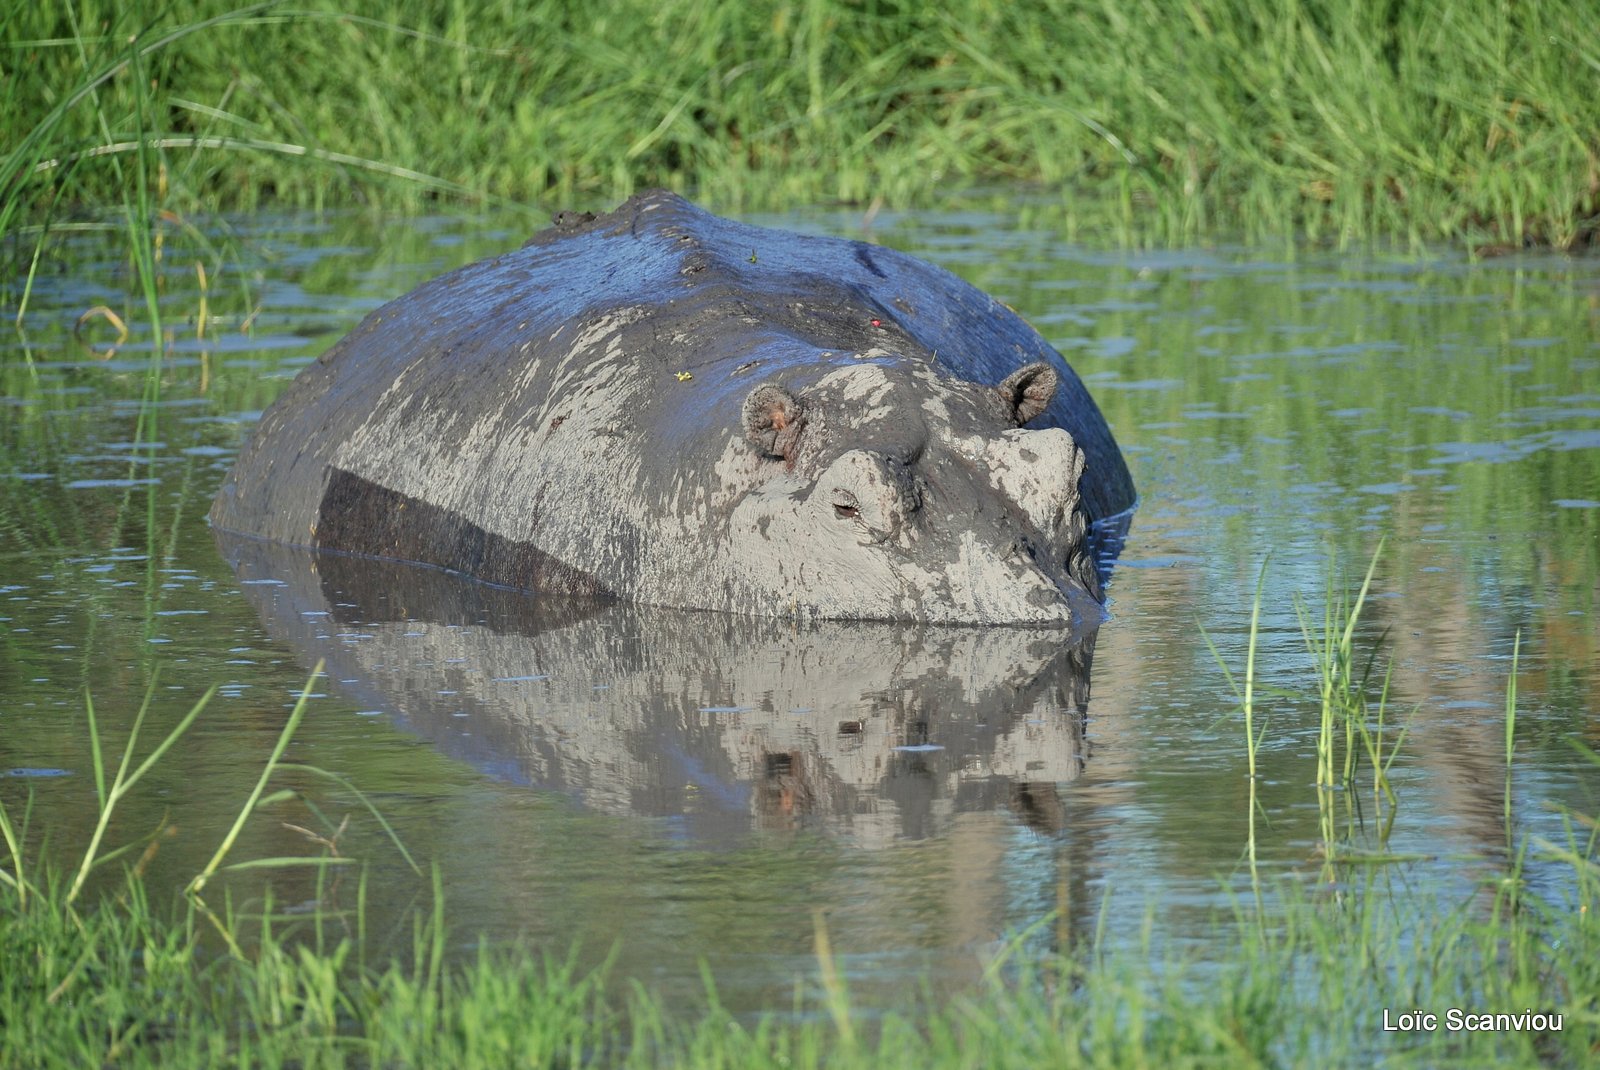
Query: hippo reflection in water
875	733
679	410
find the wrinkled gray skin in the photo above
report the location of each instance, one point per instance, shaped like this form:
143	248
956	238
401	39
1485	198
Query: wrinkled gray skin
672	408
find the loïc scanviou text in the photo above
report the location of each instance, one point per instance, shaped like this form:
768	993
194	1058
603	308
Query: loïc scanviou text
1458	1020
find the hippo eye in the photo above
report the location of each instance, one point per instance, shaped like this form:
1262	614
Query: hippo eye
845	506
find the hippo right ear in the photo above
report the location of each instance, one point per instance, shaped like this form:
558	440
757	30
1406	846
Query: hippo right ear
773	418
1027	391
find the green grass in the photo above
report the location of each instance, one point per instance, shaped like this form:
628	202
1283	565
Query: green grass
132	984
1344	691
1472	120
1348	708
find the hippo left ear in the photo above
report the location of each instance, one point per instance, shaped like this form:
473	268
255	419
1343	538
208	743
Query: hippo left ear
773	418
1027	391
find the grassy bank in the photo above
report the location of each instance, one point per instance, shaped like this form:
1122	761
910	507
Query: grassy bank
128	983
126	987
1470	120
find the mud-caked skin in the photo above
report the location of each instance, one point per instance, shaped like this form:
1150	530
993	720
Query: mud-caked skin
672	408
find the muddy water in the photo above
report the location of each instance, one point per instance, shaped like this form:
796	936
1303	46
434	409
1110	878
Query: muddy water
689	788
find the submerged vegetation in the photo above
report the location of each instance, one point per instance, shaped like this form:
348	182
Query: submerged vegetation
1337	971
1473	120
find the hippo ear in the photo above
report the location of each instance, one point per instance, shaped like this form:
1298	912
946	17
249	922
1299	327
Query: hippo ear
772	420
1027	391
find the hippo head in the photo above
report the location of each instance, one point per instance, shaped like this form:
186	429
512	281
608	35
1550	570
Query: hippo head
881	489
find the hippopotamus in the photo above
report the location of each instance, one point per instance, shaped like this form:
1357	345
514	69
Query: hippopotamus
663	406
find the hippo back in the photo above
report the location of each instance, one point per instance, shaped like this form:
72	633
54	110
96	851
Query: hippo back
658	244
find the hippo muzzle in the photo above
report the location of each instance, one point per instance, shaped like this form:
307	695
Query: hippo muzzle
898	495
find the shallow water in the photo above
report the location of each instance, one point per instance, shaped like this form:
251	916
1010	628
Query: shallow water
691	788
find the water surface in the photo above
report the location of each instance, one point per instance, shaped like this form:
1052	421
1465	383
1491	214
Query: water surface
693	788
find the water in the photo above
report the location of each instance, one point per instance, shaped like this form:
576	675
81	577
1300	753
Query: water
696	789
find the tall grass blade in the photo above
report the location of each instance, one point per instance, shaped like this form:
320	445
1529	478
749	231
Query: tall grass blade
834	989
125	781
1511	726
198	883
1251	740
17	879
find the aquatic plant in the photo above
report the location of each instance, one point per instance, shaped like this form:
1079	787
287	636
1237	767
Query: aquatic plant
1252	738
1245	695
1344	704
1511	728
130	770
1343	691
